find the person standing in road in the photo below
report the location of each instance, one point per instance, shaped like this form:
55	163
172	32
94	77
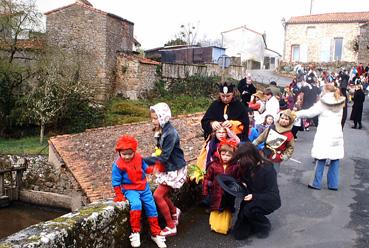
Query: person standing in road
328	140
246	89
357	107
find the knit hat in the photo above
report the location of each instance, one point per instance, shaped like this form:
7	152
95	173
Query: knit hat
126	142
163	112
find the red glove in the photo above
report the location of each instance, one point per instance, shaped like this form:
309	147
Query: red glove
118	194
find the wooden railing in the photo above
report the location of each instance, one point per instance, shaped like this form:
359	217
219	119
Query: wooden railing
10	184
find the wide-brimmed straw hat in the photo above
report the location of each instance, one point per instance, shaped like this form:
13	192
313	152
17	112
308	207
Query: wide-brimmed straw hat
259	94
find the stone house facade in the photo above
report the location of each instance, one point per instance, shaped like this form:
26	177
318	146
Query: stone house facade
81	28
326	38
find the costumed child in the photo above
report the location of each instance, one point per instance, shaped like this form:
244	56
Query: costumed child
170	160
268	120
278	138
129	182
220	215
216	137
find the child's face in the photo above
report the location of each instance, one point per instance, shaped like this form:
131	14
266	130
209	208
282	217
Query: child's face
284	120
225	156
154	120
269	120
127	155
221	133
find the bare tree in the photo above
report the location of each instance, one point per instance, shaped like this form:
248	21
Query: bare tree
58	84
18	18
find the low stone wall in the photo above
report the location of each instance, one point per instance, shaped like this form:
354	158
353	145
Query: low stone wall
175	71
99	224
41	179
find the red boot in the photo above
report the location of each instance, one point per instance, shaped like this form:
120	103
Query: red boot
154	226
135	220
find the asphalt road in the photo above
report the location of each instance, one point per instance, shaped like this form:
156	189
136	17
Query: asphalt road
266	76
308	218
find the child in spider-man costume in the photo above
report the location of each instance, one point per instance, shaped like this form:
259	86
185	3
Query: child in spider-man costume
129	182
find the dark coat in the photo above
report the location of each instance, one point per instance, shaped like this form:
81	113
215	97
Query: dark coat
357	107
172	156
249	89
264	189
235	111
211	185
311	93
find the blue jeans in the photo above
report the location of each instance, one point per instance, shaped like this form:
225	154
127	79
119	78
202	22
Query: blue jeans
332	175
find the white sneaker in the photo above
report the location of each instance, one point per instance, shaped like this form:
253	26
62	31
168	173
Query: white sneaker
175	216
159	241
135	239
168	231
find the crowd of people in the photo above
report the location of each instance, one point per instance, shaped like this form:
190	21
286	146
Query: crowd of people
245	142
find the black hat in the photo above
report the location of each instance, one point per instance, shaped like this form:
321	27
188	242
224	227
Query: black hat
226	88
231	186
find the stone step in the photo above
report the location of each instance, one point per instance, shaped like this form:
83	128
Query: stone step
4	201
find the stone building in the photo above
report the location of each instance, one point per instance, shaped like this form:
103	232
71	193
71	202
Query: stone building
79	28
327	38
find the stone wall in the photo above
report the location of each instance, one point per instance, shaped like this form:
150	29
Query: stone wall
174	71
100	224
321	38
134	77
41	178
363	54
73	28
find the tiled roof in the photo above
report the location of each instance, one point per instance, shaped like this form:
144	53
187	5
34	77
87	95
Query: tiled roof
89	155
89	8
140	59
343	17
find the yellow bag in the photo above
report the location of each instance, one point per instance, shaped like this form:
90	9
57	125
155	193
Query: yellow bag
220	222
201	159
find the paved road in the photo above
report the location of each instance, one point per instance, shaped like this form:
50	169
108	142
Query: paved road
266	76
308	218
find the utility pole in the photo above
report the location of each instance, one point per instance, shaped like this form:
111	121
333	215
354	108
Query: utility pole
311	6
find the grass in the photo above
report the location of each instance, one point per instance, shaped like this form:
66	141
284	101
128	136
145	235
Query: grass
118	112
26	145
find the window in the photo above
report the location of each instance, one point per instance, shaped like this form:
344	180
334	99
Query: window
310	31
295	55
338	48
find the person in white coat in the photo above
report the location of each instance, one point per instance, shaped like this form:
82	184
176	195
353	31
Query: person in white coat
328	140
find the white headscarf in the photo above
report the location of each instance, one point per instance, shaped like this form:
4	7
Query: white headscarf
163	112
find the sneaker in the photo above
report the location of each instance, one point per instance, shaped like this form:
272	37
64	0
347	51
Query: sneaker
175	216
135	239
167	231
159	241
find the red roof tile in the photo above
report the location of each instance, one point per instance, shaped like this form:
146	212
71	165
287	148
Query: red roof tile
89	155
343	17
89	8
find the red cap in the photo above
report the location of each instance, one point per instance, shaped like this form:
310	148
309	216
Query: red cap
126	142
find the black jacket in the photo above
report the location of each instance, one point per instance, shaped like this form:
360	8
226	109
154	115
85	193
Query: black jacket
249	89
235	111
172	155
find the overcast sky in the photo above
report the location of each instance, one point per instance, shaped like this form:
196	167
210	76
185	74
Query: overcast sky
157	21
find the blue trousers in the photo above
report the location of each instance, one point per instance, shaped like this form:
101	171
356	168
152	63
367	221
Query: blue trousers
139	198
332	175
